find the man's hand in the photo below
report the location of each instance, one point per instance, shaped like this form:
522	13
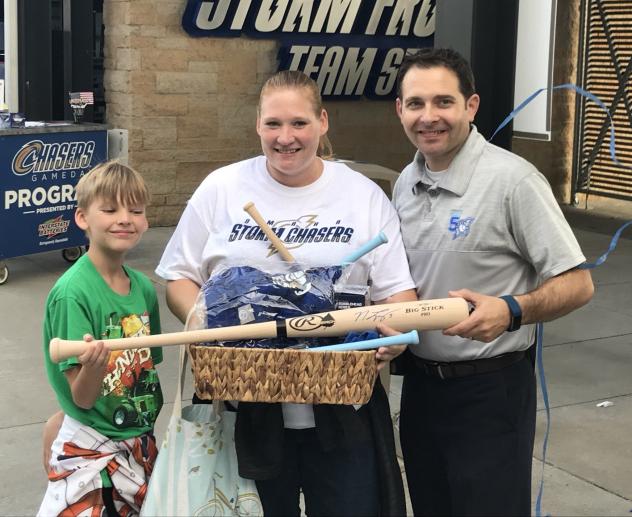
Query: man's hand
490	317
385	354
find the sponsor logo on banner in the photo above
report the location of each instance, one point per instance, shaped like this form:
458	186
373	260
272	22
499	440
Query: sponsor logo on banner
59	163
37	157
53	227
351	48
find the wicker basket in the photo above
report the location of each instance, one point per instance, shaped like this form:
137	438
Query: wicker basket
283	375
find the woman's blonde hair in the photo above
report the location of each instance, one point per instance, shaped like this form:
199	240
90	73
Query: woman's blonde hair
297	80
112	181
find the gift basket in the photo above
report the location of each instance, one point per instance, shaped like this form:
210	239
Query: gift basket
283	375
280	369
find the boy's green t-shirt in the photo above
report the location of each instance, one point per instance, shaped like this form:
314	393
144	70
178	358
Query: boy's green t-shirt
82	303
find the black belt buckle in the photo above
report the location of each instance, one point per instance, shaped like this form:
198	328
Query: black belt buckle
438	369
434	369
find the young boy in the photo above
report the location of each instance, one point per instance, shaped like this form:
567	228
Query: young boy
105	449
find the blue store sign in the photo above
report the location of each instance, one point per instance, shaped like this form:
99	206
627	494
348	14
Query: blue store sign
351	48
38	174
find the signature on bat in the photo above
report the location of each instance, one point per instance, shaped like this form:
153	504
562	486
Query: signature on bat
375	315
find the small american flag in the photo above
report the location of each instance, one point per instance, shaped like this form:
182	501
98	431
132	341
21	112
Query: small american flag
87	97
81	98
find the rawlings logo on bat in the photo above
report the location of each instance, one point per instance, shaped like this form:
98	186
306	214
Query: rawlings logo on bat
313	322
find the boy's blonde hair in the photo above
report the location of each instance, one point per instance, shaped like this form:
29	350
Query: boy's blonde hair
112	181
297	80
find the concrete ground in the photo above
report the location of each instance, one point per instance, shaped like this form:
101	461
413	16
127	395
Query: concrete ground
587	357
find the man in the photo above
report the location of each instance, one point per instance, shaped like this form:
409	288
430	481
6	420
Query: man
481	223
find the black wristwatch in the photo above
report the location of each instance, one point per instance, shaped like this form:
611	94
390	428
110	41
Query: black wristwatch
516	313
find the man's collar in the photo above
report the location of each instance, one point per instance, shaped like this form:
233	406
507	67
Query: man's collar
457	178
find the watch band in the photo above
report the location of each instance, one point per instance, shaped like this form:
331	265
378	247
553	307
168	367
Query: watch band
515	311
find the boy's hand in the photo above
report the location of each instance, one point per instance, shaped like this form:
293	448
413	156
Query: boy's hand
86	380
96	355
387	353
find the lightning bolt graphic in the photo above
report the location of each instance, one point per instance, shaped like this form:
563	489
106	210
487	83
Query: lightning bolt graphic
299	19
431	11
274	5
305	221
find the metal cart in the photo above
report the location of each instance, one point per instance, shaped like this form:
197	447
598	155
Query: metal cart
39	168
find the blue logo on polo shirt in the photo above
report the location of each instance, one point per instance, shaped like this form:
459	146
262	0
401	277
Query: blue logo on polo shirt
459	227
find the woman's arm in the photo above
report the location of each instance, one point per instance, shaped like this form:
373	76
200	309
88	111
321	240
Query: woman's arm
181	296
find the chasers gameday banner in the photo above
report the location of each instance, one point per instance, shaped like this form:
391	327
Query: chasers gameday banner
38	174
351	48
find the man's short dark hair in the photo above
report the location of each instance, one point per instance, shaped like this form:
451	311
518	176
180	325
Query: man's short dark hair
445	57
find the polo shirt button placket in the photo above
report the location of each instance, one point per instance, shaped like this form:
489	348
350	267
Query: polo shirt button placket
426	209
432	197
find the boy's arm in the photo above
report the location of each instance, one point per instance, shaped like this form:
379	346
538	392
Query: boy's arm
86	379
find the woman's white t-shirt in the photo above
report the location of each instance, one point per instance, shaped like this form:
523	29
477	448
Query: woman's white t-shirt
320	224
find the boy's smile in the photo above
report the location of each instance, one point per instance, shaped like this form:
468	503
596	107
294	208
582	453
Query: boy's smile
112	227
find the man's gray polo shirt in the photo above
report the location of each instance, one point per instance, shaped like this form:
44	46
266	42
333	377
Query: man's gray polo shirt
492	225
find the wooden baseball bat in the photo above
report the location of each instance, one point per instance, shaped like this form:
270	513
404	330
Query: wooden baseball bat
272	237
404	316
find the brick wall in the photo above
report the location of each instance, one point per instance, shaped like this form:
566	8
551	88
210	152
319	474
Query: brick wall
189	104
554	158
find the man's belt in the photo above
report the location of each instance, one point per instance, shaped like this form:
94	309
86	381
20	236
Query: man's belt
457	369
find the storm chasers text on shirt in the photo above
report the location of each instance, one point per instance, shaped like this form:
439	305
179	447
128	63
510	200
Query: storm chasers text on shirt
350	47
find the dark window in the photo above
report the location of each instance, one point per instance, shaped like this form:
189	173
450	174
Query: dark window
61	50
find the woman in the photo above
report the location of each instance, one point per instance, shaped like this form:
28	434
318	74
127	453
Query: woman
341	458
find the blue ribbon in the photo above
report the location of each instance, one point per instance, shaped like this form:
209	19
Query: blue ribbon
591	265
581	91
539	330
613	244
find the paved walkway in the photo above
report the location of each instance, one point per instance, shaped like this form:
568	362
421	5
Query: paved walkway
588	359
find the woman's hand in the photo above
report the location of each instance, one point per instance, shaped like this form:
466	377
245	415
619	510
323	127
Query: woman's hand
385	354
